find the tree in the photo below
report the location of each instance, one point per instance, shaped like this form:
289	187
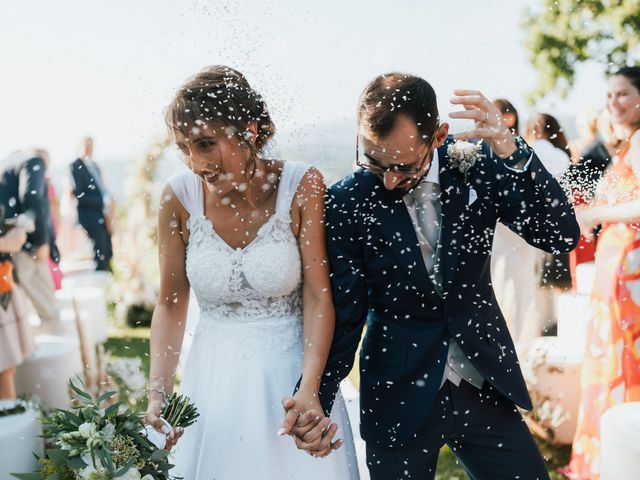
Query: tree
565	33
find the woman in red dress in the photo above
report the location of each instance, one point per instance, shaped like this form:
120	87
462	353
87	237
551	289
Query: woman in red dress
611	368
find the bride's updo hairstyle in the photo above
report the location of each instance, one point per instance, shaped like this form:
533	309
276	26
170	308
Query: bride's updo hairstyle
219	96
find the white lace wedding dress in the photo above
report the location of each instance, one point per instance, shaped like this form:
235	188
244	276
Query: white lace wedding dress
247	350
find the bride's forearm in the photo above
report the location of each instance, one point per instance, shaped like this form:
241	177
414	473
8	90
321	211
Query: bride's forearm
319	324
167	332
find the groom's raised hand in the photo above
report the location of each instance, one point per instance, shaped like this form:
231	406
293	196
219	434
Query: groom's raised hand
488	121
311	430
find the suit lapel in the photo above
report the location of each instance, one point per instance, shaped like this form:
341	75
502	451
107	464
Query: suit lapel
390	215
453	198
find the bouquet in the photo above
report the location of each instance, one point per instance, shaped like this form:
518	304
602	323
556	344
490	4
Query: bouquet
98	441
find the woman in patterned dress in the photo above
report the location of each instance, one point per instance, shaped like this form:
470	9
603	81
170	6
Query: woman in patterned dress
611	368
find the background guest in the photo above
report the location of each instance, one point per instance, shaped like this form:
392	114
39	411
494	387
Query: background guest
509	113
547	138
54	216
16	343
95	204
587	126
583	176
545	135
516	289
611	367
23	190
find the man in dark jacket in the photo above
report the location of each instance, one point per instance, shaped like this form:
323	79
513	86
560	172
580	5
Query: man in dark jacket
409	238
94	203
23	190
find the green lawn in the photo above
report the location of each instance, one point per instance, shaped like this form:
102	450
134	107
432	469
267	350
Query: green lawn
126	342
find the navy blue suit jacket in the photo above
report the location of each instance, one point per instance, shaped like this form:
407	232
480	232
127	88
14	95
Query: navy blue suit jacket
379	276
23	189
85	187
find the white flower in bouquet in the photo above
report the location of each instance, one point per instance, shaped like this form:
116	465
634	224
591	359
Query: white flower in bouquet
90	470
108	431
87	430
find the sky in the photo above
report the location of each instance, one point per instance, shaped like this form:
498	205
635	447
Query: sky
108	68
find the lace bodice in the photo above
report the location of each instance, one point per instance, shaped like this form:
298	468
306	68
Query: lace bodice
251	294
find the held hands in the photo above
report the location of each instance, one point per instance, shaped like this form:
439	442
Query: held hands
488	122
305	420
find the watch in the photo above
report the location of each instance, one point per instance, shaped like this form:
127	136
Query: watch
523	152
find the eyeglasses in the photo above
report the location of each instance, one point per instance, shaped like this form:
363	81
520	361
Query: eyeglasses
371	164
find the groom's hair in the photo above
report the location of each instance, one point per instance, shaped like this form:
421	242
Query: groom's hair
393	94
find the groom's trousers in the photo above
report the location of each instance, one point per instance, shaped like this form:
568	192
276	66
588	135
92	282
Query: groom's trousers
482	427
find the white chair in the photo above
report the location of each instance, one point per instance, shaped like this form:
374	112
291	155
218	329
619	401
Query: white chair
87	279
19	440
620	442
47	372
71	267
585	277
92	305
573	311
552	369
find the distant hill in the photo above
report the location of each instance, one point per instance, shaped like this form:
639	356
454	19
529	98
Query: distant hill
328	146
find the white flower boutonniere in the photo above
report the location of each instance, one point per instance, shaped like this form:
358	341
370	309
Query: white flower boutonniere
464	155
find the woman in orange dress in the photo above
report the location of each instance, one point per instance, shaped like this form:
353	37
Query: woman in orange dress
611	368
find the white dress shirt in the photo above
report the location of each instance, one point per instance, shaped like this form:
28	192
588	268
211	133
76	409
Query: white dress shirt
458	366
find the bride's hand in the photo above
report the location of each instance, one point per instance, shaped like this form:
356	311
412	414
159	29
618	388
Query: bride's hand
152	417
306	421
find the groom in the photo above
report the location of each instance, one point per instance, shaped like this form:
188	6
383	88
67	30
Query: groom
409	240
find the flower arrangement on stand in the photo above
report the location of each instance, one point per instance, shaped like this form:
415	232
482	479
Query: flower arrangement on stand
547	413
96	440
135	289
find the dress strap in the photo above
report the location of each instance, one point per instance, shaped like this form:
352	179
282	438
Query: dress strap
292	173
188	188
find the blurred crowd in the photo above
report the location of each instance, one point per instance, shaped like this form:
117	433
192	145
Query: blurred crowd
600	171
37	231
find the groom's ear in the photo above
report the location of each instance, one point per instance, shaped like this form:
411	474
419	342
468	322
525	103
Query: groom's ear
441	134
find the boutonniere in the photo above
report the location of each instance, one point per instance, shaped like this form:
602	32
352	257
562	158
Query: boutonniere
464	155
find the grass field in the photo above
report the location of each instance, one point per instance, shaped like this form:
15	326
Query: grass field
126	342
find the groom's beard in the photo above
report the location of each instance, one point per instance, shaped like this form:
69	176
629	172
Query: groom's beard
400	190
405	186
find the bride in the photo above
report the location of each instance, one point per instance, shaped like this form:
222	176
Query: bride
247	234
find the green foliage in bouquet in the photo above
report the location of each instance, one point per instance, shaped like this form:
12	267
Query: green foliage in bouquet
102	441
